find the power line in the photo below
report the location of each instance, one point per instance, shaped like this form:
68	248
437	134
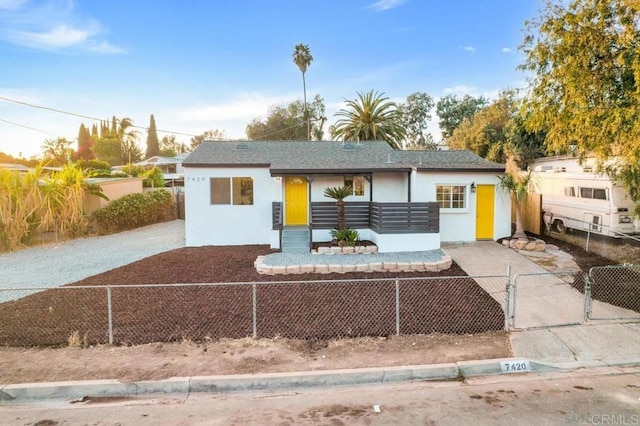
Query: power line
25	126
88	117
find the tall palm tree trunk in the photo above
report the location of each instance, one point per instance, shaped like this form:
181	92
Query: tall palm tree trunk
306	112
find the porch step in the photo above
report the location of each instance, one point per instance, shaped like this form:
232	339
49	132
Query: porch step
295	240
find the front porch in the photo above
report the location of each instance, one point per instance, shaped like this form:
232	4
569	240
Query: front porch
392	227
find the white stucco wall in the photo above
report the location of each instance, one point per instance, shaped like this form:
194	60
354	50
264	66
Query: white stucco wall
390	187
207	224
391	243
460	225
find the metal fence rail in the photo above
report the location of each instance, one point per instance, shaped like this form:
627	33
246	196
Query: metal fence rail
548	299
136	314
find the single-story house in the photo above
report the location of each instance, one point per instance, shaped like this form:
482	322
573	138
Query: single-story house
255	192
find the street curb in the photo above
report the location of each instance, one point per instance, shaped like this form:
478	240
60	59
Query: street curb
306	379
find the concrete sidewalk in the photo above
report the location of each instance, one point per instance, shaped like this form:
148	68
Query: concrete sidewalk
546	300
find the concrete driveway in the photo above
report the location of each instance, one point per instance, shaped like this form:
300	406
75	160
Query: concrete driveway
546	300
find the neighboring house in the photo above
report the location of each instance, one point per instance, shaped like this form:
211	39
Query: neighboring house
239	193
171	167
113	188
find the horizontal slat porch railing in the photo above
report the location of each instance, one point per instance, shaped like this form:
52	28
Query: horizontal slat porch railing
405	218
383	218
324	214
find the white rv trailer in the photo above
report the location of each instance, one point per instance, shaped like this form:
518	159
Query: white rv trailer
575	197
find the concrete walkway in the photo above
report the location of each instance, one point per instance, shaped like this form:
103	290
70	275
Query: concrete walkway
545	300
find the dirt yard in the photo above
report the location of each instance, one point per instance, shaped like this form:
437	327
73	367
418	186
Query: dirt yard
186	357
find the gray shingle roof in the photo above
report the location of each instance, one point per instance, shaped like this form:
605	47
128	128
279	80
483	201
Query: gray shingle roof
286	157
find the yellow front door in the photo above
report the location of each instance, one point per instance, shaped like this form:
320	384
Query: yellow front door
484	212
295	198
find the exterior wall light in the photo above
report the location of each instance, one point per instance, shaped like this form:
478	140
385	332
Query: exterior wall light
473	187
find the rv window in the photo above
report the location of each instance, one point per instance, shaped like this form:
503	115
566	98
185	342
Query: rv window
569	191
597	193
451	196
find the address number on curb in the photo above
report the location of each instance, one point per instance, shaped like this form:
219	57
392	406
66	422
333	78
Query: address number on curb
515	366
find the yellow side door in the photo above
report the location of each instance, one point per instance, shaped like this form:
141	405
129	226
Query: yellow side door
484	212
295	194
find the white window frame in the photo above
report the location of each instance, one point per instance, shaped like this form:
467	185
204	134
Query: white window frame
466	198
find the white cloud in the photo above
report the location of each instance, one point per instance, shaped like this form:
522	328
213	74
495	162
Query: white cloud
459	89
245	107
506	49
382	5
51	25
469	49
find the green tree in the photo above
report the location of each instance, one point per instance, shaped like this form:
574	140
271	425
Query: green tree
153	146
496	132
584	59
57	151
416	115
170	147
108	149
452	111
84	143
302	58
372	116
210	135
287	122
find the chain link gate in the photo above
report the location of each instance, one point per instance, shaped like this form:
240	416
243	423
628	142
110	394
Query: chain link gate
614	293
550	299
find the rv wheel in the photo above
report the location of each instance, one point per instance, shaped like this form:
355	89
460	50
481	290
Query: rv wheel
560	227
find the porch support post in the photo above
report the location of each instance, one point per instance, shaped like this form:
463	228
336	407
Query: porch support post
409	188
310	216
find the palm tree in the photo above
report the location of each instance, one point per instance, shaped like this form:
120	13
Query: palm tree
128	137
302	58
518	186
370	117
339	193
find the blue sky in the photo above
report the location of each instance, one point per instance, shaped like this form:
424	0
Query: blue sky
199	65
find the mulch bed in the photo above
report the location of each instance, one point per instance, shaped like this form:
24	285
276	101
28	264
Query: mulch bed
301	308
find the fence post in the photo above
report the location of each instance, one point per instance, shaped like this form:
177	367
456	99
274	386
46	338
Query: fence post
110	315
397	307
507	301
255	311
588	235
587	296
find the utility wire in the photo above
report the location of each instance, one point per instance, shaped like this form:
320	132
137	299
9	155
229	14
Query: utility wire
88	117
25	126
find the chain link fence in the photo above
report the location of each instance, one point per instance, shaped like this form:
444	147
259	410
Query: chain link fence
549	299
614	292
138	314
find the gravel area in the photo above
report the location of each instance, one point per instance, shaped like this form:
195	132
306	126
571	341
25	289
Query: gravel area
284	259
57	264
